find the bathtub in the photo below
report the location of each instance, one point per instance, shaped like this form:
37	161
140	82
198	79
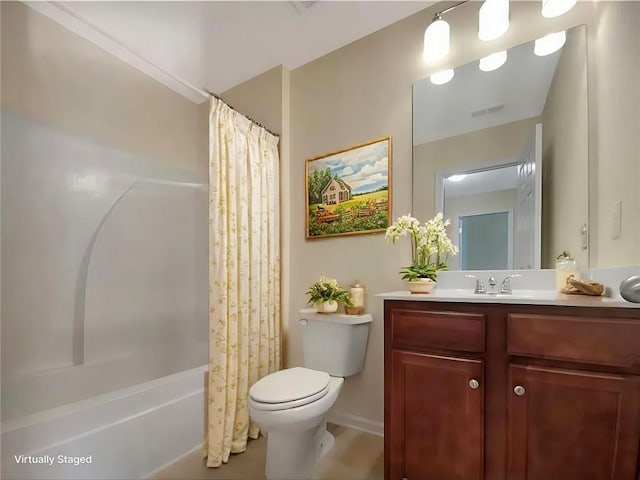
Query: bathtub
127	433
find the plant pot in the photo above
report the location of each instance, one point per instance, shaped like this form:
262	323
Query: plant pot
421	285
327	307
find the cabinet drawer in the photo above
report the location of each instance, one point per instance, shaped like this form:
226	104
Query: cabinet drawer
614	342
440	330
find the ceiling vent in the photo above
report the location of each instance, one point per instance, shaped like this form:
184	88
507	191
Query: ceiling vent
487	111
303	6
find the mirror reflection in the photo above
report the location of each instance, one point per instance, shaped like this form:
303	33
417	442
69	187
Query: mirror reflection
481	207
506	153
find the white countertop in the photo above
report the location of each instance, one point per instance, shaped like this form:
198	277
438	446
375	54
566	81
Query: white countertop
518	297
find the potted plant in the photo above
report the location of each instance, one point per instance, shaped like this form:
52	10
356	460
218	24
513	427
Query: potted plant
325	294
430	250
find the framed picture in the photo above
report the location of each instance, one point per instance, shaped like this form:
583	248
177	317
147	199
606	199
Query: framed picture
348	192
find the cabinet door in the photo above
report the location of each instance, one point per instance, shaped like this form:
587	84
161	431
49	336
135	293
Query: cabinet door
436	418
565	424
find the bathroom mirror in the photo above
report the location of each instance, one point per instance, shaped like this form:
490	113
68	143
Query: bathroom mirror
504	154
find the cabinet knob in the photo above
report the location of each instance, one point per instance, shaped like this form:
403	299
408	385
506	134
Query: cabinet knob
474	384
519	390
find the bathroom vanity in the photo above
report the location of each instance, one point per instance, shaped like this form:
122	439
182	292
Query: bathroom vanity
501	389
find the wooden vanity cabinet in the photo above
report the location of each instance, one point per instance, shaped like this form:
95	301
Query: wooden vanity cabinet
430	441
511	392
572	424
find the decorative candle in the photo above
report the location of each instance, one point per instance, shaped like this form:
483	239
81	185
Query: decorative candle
357	295
566	267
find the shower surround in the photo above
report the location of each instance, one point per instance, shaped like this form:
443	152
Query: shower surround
104	305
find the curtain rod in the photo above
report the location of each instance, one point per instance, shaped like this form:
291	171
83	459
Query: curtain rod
233	108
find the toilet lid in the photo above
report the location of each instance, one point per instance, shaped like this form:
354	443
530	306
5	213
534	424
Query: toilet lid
289	385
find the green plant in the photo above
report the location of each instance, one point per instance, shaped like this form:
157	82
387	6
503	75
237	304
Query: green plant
430	245
327	289
413	272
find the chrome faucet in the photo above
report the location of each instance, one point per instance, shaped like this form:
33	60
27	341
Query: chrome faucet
505	286
492	285
479	285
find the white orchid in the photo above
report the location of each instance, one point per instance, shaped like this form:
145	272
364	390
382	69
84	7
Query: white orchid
402	225
430	244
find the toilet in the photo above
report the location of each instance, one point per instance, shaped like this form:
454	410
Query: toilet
291	406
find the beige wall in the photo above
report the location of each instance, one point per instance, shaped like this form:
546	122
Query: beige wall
260	98
565	196
482	148
488	202
54	76
614	140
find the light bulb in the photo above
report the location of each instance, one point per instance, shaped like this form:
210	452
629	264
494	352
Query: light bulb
493	19
442	77
436	41
456	178
555	8
493	62
549	43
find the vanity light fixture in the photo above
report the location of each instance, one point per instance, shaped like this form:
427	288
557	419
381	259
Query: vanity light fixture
493	62
442	77
549	43
493	19
436	36
555	8
436	40
456	178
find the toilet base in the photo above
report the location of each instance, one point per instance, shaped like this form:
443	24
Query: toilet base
294	455
326	444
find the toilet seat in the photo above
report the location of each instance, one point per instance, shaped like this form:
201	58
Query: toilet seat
289	388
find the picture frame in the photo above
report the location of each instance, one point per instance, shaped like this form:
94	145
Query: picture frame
348	192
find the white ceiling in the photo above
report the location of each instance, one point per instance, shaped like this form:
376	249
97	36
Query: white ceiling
504	178
217	45
521	85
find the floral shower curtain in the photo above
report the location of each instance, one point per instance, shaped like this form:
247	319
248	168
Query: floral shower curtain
244	273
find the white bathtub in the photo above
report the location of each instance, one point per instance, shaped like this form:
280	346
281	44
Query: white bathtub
128	433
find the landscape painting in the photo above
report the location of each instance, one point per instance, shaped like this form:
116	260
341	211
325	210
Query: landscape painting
348	192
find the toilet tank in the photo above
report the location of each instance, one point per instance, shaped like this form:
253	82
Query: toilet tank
334	343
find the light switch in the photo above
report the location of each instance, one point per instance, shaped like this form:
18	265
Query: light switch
616	220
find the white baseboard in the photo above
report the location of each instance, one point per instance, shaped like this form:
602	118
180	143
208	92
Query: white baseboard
360	423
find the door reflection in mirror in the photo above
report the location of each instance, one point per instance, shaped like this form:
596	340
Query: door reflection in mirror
476	206
485	241
496	210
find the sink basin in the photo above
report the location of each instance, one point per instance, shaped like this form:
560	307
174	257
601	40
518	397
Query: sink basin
516	295
524	294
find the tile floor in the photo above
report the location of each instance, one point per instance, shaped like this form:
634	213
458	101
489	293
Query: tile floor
356	455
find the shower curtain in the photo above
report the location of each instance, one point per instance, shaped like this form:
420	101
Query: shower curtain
244	273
